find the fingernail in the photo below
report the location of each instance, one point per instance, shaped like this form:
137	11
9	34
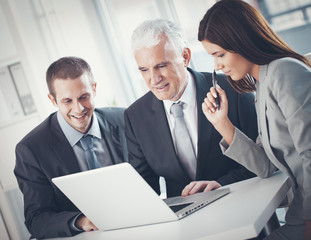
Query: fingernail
214	104
214	95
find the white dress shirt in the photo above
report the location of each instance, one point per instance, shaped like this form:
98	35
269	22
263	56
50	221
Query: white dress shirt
189	110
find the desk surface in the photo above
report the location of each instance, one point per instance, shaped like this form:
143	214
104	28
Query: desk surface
242	214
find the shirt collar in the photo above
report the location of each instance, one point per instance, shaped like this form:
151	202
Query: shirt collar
188	96
73	136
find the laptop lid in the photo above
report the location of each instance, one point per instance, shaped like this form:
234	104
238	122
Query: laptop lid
117	197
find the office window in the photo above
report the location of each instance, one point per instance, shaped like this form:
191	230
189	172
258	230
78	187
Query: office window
122	17
285	14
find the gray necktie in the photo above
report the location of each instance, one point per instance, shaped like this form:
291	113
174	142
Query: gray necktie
183	142
87	143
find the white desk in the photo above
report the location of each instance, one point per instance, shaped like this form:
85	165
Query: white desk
242	214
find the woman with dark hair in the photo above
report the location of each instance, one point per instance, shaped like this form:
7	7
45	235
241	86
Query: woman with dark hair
255	59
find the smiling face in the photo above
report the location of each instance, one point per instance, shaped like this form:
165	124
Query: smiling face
75	101
232	64
164	69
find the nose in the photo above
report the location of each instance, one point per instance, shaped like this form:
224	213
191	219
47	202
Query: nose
218	65
155	77
77	107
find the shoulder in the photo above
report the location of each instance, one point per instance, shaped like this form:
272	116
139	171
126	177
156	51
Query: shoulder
285	71
41	133
286	66
109	111
143	103
110	114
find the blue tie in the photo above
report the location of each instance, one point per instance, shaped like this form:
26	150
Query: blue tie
87	143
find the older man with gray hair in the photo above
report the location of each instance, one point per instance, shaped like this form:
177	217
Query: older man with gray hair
167	133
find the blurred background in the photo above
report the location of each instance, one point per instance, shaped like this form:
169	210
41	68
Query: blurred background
34	33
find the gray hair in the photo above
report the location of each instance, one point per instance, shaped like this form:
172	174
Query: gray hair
148	34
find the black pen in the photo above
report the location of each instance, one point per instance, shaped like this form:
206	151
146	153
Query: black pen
214	85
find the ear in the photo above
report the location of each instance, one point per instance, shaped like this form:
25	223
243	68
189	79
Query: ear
94	88
186	56
53	100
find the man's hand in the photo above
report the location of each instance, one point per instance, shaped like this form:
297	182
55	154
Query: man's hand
85	224
199	186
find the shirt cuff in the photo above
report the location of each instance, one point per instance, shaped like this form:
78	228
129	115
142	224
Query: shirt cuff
72	224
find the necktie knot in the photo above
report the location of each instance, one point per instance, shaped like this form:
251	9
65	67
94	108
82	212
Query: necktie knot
87	142
177	109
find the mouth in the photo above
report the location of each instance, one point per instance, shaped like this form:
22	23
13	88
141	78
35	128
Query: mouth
162	87
79	117
227	73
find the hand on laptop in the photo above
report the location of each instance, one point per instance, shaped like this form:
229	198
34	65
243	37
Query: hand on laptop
85	224
199	186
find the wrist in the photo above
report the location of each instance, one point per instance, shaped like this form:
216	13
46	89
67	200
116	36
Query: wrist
226	130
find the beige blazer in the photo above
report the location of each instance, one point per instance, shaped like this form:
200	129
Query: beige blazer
283	105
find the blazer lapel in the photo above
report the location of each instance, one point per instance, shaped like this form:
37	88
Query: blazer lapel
205	129
162	139
112	137
263	126
65	161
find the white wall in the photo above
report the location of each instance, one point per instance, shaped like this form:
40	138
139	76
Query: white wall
36	33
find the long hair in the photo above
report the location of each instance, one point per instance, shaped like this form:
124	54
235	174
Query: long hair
238	27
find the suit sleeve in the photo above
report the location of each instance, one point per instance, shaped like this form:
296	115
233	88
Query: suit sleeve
248	153
136	156
246	121
42	216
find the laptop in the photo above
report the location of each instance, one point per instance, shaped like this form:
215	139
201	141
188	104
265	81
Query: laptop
116	197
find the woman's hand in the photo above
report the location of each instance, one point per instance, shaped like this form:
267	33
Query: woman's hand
209	108
218	117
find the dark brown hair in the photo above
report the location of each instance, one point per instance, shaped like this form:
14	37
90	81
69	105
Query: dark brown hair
67	68
238	27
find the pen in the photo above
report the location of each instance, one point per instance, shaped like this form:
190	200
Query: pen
214	84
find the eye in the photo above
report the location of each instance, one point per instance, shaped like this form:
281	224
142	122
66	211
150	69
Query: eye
221	55
143	69
84	97
67	101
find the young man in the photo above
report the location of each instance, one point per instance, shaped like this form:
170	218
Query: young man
156	148
55	148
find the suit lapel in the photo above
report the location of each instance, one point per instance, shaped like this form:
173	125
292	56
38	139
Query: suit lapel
162	139
65	161
262	124
112	137
205	129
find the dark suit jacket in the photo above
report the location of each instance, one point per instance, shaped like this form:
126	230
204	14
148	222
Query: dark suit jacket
151	148
45	153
